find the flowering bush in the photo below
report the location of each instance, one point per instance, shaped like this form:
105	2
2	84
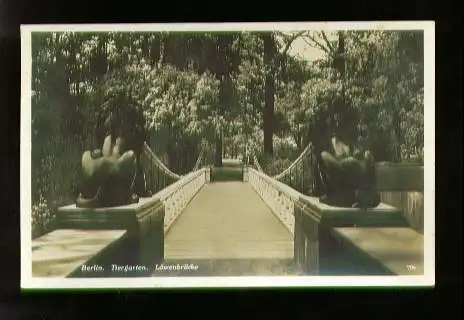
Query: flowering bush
42	217
183	101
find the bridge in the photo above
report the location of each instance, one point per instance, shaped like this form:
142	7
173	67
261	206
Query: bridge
237	220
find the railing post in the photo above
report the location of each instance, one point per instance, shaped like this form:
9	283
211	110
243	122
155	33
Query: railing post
150	175
291	177
314	244
243	171
303	175
157	179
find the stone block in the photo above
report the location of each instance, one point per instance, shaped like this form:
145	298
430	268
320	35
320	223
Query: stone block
67	252
314	220
143	221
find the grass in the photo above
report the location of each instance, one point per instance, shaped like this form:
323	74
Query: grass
231	170
226	174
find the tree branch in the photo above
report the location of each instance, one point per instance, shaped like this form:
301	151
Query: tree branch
290	41
316	43
324	36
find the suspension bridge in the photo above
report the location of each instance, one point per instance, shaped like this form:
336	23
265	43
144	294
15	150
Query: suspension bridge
237	220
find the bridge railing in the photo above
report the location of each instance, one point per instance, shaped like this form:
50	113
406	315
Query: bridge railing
178	195
320	231
131	234
175	191
279	197
399	184
158	176
402	185
298	175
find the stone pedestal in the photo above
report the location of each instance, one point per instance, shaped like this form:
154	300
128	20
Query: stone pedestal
313	244
67	252
208	171
390	251
143	245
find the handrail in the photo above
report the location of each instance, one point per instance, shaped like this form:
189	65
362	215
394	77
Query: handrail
287	170
166	192
294	164
197	164
256	162
177	195
279	197
158	162
289	191
165	169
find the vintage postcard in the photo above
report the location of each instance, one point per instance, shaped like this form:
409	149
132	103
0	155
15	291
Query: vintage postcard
227	155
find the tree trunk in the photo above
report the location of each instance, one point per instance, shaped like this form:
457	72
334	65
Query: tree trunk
145	47
269	92
218	151
222	72
99	62
339	66
299	140
172	160
396	121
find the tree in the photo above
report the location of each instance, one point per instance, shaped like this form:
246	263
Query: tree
381	73
269	91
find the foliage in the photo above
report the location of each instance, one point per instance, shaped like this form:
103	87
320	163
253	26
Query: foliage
195	90
286	148
77	77
378	95
274	165
383	83
183	101
42	217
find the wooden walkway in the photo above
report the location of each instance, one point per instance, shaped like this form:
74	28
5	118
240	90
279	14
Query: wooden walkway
228	230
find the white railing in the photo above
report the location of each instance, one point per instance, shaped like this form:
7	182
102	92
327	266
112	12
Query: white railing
279	197
178	195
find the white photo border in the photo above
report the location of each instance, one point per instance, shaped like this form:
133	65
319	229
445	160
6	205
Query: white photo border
428	279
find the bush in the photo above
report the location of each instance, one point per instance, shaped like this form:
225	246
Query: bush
273	165
178	107
43	217
285	148
55	177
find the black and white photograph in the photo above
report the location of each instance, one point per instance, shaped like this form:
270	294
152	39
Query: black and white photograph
227	155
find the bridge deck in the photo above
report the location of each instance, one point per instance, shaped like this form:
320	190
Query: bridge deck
228	226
